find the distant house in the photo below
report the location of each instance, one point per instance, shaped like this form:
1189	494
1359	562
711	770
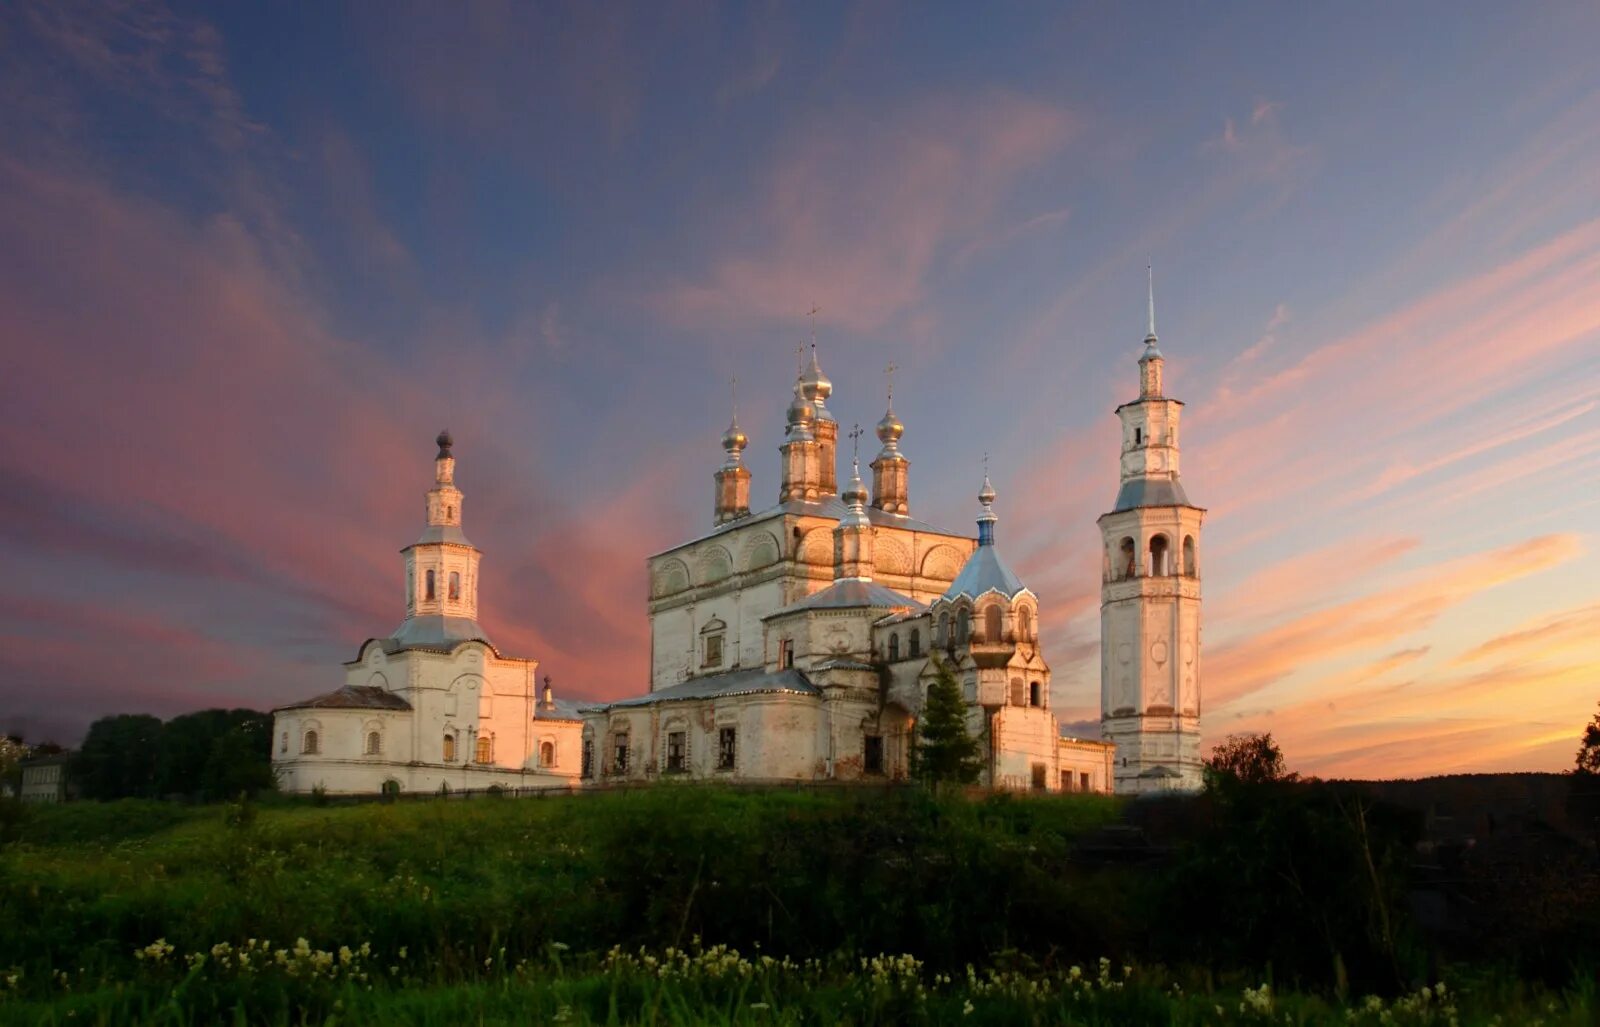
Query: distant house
47	778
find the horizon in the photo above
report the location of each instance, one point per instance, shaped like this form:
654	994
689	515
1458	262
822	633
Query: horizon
253	260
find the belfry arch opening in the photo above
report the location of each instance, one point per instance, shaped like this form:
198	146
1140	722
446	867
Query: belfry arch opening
991	624
1128	559
1189	568
1159	556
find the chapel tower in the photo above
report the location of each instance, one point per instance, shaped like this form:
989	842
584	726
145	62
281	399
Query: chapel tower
442	566
733	477
1150	598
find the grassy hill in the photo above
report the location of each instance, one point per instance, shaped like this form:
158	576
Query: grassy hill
635	906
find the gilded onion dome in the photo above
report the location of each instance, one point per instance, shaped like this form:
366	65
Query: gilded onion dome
734	440
817	387
890	429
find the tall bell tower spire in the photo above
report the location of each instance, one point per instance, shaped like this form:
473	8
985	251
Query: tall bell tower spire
1150	597
733	477
441	566
890	489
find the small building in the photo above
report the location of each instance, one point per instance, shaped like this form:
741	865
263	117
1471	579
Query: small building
435	705
47	778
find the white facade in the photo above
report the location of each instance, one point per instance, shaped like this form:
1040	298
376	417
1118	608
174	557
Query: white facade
1150	600
797	644
434	706
45	779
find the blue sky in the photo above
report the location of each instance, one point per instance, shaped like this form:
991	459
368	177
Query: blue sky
253	258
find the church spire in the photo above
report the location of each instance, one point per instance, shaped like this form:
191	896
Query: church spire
1151	362
817	388
986	516
800	448
733	478
441	566
852	537
889	469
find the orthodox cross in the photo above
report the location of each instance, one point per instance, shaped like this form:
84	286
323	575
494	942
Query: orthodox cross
855	434
812	314
799	359
888	374
733	391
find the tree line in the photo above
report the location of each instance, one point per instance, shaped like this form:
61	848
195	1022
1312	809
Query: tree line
204	756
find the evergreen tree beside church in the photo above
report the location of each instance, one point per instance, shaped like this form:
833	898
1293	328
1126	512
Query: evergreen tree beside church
946	753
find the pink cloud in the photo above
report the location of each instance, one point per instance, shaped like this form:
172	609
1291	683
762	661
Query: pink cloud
857	211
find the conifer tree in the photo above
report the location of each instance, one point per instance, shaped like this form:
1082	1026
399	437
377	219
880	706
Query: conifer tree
946	752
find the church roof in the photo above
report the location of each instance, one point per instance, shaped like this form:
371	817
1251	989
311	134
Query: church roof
564	709
985	571
828	506
1141	492
353	697
437	631
718	686
852	592
450	533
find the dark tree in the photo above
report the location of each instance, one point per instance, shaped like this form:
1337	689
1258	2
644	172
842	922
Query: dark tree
1247	759
1589	750
118	758
946	752
215	754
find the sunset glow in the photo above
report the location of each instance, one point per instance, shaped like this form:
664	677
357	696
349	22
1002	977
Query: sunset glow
251	262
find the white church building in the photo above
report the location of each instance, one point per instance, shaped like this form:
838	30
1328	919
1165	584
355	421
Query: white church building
434	705
794	643
798	643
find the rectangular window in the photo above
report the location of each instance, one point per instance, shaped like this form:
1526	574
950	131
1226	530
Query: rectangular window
619	758
1066	780
872	756
675	749
713	653
587	770
727	741
1039	770
785	654
1083	782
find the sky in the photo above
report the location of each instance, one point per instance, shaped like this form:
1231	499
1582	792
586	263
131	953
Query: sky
254	257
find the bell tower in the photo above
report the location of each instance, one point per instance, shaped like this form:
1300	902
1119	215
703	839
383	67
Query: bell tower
441	566
1150	598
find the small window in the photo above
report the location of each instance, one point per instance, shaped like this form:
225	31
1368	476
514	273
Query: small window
1024	625
1130	559
449	748
283	744
675	752
455	585
374	743
1188	555
1039	770
894	648
427	586
785	654
485	750
309	743
1035	695
713	651
963	626
1083	782
941	635
1018	690
1138	436
450	513
1158	556
991	624
727	744
872	754
587	768
1066	780
547	754
619	754
916	642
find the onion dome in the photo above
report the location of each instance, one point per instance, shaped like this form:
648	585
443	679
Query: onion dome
445	442
734	440
817	387
855	493
890	429
801	412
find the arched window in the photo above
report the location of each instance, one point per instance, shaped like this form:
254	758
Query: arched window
916	642
942	633
991	624
1024	625
374	743
449	748
963	626
450	512
309	743
485	751
1035	696
427	585
1128	564
1158	555
1188	555
894	647
455	585
547	754
283	744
